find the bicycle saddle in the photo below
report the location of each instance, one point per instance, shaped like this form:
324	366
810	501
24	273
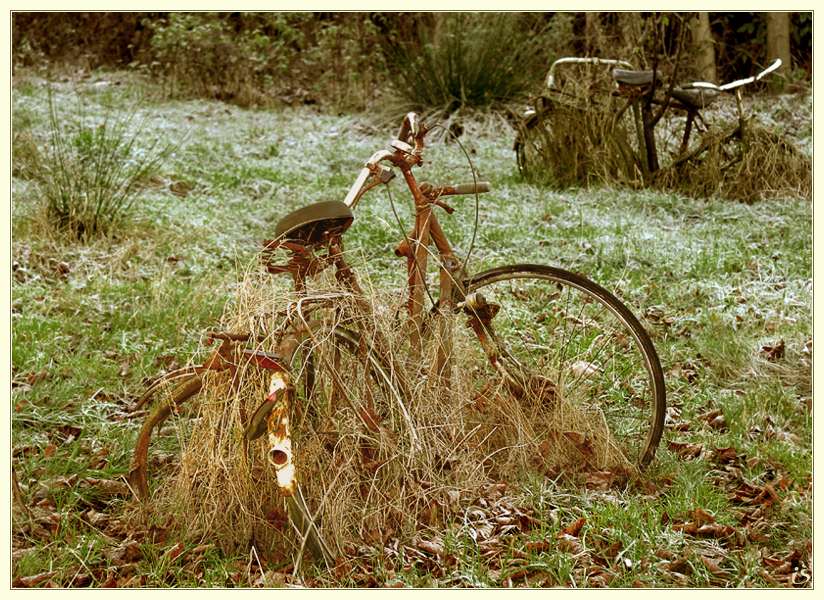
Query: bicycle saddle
314	223
695	98
627	77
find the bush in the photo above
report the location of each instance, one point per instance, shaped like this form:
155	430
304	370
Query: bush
447	61
89	39
261	58
200	55
90	174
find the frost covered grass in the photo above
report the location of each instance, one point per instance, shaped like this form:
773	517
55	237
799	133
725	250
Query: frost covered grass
724	289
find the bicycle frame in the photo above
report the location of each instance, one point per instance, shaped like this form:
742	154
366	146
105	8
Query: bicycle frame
426	230
272	415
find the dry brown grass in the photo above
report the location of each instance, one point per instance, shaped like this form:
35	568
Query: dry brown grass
365	479
575	139
765	165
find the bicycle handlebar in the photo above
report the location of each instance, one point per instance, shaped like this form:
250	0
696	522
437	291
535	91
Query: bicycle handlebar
706	85
373	173
466	188
550	76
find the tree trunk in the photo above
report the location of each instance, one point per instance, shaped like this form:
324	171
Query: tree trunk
704	47
778	39
591	33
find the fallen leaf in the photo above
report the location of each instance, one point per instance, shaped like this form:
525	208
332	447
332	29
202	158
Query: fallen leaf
69	433
687	370
686	450
431	546
198	550
98	519
63	268
725	455
573	529
582	368
81	580
174	552
180	189
581	443
614	548
773	352
600	480
715	419
680	565
127	552
108	487
715	530
719	423
33	378
568	543
701	517
342	567
767	497
712	566
32	580
539	546
599	578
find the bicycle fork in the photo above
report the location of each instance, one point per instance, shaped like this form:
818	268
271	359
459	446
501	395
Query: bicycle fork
516	376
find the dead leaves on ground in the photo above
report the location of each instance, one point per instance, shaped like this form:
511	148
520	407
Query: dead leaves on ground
700	523
774	351
119	565
788	570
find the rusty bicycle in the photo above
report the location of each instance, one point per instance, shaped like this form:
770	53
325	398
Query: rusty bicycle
601	119
524	339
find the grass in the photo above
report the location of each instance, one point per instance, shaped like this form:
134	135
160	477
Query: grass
714	282
90	171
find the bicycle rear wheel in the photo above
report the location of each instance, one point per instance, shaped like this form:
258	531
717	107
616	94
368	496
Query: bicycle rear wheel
583	369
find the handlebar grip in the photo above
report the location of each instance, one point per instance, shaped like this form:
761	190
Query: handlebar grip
411	125
472	188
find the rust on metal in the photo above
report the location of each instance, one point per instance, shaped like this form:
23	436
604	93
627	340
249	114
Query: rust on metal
280	442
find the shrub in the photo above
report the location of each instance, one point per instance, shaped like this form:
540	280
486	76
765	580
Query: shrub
90	173
90	39
226	57
446	61
263	58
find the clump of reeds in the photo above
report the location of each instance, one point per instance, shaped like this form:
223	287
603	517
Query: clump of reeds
90	172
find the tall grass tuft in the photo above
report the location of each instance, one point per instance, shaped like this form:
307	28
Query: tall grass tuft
91	173
456	60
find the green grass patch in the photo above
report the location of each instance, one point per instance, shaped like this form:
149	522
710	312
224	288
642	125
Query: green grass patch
717	284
